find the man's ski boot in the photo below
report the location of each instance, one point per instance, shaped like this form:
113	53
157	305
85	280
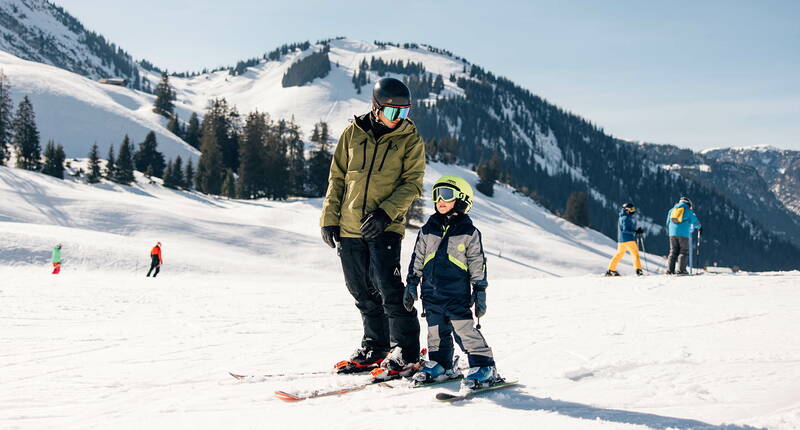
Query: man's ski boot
639	272
612	273
481	377
394	366
363	360
431	371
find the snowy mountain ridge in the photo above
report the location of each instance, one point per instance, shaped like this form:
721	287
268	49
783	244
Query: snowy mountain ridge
38	30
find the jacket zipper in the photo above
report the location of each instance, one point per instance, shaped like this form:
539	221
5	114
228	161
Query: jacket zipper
366	186
385	153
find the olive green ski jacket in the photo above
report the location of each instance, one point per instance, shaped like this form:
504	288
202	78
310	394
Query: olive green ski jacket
367	174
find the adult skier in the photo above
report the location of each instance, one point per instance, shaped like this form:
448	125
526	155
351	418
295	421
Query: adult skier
680	220
626	240
55	258
448	260
155	260
375	175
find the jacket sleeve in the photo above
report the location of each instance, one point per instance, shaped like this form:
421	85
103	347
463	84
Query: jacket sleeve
476	261
417	259
332	206
669	214
695	221
410	186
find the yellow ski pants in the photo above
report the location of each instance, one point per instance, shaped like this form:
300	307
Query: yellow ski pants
622	248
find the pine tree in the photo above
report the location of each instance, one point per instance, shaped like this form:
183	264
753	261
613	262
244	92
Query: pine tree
577	211
251	153
169	176
165	96
210	170
174	125
192	132
189	175
488	172
222	121
276	173
5	118
296	158
54	158
94	166
229	185
320	162
148	157
111	168
26	137
177	172
124	163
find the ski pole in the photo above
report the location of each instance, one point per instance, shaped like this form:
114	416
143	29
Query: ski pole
644	254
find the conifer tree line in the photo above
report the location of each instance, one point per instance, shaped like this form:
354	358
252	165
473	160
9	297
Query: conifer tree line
258	157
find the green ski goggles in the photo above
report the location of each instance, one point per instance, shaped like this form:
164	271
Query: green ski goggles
393	112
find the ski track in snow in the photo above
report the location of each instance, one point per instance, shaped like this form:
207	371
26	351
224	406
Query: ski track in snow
248	287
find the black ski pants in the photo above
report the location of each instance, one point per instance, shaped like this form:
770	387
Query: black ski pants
372	274
678	251
154	264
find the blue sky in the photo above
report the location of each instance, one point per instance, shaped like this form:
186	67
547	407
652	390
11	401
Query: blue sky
697	74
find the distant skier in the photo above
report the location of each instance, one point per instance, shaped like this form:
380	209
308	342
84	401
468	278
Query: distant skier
448	260
55	257
680	220
155	260
626	240
375	175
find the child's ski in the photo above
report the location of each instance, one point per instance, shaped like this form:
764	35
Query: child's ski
447	397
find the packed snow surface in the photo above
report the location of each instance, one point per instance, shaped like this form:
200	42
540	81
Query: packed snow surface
248	287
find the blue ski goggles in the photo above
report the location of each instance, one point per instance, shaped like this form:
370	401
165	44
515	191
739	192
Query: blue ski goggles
393	112
446	193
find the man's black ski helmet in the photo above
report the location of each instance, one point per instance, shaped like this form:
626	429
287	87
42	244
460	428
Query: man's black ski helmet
687	201
629	206
390	91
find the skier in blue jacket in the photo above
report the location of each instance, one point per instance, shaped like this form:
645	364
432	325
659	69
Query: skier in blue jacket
626	240
680	221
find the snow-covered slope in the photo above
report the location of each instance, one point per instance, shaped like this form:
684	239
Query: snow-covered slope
78	112
248	286
112	226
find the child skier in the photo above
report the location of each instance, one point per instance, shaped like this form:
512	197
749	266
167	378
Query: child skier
55	257
448	259
626	240
155	260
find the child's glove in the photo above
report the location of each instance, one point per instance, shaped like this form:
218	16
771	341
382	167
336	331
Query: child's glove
410	296
479	300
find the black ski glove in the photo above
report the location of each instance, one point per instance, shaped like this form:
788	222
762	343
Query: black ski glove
374	223
410	296
640	231
330	235
479	300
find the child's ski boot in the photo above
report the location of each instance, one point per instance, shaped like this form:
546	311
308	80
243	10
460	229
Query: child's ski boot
612	273
481	377
431	371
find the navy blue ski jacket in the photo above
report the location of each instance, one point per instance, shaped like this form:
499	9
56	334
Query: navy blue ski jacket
626	231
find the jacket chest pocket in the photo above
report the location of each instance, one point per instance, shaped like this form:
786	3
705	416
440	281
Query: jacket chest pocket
357	156
390	158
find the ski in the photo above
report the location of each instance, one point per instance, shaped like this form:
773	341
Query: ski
447	397
292	397
414	384
278	375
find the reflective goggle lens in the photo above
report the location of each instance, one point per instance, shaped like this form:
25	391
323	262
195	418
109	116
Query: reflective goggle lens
444	193
392	112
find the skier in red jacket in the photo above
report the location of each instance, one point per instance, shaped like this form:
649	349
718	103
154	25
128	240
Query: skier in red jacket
155	260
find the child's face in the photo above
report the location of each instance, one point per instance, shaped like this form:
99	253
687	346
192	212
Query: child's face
444	207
